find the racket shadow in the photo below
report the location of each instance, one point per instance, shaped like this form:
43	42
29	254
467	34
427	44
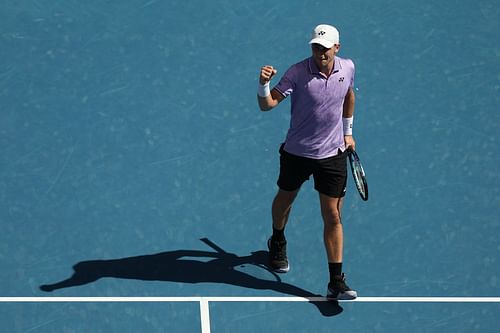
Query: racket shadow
191	266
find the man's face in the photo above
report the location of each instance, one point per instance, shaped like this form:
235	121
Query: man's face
323	56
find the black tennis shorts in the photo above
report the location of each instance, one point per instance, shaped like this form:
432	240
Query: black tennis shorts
330	174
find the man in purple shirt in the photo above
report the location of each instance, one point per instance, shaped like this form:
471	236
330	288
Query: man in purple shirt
322	107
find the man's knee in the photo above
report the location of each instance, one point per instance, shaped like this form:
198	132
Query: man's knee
332	216
286	197
330	210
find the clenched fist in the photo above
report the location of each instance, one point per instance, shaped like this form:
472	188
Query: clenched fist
266	74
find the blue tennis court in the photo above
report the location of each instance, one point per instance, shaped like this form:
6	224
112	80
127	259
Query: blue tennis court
137	172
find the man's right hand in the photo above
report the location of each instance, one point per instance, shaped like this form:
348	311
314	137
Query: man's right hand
266	74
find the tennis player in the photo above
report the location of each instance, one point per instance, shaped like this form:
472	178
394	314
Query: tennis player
322	107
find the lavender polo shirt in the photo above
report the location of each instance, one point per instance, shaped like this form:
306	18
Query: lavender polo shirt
316	129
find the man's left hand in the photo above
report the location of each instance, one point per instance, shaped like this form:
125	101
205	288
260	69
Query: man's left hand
349	142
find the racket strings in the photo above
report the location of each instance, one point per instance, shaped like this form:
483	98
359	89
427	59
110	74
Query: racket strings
358	175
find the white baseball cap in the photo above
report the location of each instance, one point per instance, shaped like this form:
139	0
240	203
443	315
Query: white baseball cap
325	35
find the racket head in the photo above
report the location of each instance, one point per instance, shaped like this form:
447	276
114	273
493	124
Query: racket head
358	174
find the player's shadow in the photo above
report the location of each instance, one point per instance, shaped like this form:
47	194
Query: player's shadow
192	266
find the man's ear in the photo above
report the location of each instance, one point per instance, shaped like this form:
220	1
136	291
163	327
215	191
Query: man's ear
336	48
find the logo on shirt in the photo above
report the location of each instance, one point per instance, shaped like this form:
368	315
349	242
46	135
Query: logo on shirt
341	79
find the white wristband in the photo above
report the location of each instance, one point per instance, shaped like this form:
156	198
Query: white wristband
347	122
263	90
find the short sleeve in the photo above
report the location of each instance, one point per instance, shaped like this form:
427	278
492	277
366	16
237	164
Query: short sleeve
287	83
353	71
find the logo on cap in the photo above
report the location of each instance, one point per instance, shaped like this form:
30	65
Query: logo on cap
321	33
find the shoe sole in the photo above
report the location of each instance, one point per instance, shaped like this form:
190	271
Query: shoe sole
343	296
281	270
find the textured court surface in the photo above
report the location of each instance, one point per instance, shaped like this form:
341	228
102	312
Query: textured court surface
129	130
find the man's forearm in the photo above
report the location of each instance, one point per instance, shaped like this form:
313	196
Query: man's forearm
349	102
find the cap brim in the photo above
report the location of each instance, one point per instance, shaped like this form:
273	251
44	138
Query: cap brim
322	42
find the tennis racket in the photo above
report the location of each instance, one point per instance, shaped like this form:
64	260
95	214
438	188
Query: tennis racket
358	174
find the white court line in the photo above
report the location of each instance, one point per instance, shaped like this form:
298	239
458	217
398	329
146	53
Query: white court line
248	299
204	306
204	316
359	299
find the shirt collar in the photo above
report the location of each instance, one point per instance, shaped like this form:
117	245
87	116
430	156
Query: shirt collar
313	68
